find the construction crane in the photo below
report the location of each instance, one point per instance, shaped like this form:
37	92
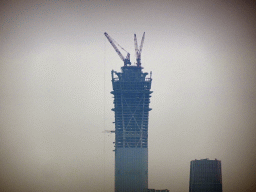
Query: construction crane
138	51
113	43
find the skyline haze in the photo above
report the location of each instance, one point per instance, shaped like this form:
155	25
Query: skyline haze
55	84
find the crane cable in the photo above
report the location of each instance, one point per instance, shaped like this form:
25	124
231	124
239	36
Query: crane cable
119	45
104	115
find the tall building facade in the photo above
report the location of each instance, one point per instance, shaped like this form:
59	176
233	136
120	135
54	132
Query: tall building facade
205	175
131	90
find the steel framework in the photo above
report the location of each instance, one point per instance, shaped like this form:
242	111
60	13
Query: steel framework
131	90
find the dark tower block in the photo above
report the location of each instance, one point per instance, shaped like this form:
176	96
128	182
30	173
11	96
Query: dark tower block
205	175
131	90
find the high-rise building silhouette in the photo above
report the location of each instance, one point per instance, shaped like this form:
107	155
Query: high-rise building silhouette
205	175
131	90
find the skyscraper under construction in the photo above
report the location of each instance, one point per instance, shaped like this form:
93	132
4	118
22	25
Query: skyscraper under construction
131	90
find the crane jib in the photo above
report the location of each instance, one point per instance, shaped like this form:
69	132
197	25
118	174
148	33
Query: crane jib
126	59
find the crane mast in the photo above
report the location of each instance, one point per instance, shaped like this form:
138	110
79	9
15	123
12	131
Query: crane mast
138	51
126	59
112	42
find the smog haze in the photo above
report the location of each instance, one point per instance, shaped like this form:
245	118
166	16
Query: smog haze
55	82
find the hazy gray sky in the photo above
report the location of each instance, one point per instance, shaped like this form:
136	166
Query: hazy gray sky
55	65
